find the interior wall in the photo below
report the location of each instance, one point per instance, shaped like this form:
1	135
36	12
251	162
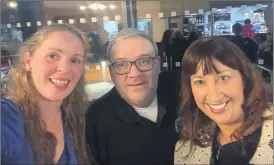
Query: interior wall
181	5
65	14
167	6
152	8
147	7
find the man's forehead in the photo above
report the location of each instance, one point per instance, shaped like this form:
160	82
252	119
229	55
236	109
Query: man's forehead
132	48
133	41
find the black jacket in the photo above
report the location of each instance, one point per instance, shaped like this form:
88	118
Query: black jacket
117	135
248	46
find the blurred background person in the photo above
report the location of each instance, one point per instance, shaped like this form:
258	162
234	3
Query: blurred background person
249	46
178	48
192	37
165	47
248	29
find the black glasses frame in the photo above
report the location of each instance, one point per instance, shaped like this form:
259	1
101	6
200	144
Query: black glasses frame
134	62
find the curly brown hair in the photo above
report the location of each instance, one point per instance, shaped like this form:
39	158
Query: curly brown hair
198	128
24	94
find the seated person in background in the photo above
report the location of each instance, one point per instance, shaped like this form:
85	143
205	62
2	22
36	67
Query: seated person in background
226	118
133	124
249	46
42	121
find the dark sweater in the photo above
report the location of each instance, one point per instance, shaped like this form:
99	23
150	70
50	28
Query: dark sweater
118	135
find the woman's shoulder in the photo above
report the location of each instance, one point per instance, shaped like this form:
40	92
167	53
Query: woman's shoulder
181	150
10	110
12	131
264	151
12	120
185	153
267	128
266	141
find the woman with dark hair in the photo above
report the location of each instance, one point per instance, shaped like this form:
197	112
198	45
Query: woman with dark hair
178	48
192	37
167	36
165	46
224	112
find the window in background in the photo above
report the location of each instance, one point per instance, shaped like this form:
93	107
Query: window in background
111	27
145	25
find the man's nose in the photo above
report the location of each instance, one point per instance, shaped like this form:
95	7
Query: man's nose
134	71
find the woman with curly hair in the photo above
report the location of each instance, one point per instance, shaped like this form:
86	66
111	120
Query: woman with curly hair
43	117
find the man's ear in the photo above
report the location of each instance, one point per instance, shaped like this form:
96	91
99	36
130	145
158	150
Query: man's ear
27	61
111	73
159	60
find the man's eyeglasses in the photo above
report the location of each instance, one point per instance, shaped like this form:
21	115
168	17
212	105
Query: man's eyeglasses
142	64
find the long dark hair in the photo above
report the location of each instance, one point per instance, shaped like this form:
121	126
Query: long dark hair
192	37
197	127
167	36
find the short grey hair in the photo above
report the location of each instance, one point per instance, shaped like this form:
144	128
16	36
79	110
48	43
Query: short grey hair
127	33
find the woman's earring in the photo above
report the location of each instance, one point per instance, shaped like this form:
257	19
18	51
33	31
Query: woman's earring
28	68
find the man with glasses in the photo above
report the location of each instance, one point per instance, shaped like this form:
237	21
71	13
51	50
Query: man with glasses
133	124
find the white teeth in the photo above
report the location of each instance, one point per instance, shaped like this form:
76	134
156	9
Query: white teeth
59	82
218	106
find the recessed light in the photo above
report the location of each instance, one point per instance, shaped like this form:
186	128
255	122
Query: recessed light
112	6
101	7
93	6
82	7
13	4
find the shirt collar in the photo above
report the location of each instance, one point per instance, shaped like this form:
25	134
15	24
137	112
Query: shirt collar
128	114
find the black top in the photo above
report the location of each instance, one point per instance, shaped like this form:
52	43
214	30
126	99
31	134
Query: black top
236	153
248	46
117	135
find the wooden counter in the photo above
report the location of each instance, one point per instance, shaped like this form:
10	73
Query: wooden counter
95	73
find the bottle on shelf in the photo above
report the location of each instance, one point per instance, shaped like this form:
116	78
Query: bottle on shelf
197	20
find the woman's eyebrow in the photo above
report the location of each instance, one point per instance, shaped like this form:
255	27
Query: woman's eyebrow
196	76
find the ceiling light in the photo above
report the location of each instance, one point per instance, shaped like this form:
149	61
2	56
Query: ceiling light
82	7
112	6
101	7
13	4
93	6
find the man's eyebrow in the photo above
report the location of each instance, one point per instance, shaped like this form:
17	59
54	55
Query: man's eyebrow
141	56
145	55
